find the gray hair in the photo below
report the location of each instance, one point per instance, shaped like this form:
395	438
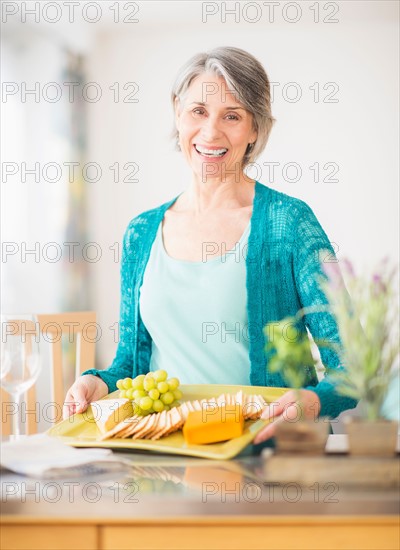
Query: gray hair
246	79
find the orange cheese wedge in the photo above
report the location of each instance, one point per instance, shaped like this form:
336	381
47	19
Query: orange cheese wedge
213	424
196	476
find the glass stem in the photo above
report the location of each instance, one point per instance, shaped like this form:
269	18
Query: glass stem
16	424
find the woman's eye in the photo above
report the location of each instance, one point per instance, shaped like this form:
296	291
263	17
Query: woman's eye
233	117
229	116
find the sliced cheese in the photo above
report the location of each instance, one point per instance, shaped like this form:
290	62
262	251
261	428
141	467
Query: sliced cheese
220	424
108	413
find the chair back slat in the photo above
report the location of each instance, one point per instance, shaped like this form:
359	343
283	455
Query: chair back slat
33	411
85	352
57	384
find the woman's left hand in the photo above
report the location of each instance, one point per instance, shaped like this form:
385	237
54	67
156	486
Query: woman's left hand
286	408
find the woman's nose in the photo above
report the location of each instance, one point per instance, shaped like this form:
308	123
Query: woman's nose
210	128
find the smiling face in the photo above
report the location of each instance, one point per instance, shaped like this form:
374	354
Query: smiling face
214	128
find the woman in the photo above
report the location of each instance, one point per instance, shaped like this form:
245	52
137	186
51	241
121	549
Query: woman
203	273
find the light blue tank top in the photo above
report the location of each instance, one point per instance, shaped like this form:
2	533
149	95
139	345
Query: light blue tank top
196	315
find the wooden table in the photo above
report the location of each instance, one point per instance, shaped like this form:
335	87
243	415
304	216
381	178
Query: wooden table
165	502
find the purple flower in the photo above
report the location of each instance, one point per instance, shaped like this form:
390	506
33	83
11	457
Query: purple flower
348	266
332	271
379	286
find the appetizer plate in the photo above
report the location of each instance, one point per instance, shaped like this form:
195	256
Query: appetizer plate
80	430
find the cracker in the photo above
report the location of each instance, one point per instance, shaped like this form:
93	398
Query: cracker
221	399
176	421
137	427
168	423
146	427
196	405
249	407
255	410
160	426
239	398
119	428
261	405
184	409
154	427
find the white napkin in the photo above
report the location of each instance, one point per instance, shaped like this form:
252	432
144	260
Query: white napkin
43	456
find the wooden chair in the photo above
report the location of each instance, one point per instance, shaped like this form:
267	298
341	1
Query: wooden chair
81	329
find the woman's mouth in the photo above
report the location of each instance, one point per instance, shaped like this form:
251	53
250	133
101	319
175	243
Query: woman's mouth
210	153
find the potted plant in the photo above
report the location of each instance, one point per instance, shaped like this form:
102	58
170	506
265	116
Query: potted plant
368	328
291	356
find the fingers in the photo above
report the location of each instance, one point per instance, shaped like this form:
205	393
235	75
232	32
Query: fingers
278	407
266	433
101	390
290	413
75	401
286	408
272	410
86	389
68	407
72	406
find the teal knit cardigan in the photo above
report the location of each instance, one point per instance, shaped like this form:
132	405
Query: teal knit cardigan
282	267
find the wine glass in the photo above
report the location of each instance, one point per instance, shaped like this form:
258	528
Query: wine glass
20	359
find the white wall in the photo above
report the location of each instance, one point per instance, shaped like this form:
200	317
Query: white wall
359	133
31	211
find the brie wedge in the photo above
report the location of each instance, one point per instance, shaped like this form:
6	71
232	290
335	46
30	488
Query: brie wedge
109	412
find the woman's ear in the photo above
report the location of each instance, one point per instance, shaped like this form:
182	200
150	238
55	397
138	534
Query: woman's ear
253	136
177	109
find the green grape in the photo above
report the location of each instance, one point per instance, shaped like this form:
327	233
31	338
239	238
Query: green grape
169	486
175	404
146	485
137	394
167	398
158	484
158	405
160	375
122	393
154	394
146	403
136	408
120	384
149	383
137	382
143	412
177	394
127	383
173	383
167	407
129	393
162	387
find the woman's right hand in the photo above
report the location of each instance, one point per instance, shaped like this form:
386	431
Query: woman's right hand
84	390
